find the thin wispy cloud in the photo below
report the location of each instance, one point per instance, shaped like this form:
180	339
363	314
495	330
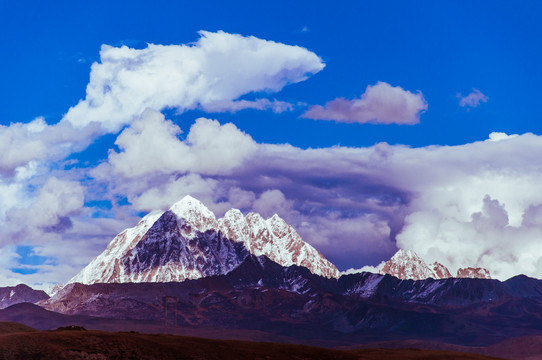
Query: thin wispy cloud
473	99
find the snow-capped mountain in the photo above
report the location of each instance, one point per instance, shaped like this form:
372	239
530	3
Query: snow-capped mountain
275	239
473	273
440	271
188	242
407	265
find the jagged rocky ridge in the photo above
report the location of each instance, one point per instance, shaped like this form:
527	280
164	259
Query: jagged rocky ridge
259	272
407	265
11	295
188	242
260	294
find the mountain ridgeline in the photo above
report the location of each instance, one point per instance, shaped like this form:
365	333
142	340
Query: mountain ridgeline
264	297
257	276
188	242
408	265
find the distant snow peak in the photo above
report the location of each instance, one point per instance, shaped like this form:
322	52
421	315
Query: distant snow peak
440	271
188	242
473	273
407	265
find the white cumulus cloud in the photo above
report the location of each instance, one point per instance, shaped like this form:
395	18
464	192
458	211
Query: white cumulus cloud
213	72
38	142
150	145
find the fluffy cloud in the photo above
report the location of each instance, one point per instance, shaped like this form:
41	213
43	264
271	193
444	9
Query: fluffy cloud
473	99
151	146
272	202
48	211
210	74
42	201
486	239
160	194
452	204
380	104
477	204
26	145
498	136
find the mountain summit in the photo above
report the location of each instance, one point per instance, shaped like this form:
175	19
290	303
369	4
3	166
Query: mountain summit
188	242
407	265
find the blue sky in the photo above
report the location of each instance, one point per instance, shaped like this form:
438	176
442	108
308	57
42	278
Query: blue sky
374	186
439	48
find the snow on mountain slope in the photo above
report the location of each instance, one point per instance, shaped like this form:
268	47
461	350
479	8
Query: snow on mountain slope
440	271
407	265
473	273
188	242
107	267
275	239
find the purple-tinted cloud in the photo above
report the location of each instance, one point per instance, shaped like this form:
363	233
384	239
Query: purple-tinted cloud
356	205
238	105
473	99
380	104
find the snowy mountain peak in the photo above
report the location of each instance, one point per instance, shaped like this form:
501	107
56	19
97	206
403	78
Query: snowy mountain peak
278	224
406	264
188	242
403	255
105	267
276	219
275	239
473	273
440	271
233	214
194	213
255	219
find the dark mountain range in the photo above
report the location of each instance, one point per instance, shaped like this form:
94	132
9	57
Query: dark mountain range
185	272
11	295
260	295
263	300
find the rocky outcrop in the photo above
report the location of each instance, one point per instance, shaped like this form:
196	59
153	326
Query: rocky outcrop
473	273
